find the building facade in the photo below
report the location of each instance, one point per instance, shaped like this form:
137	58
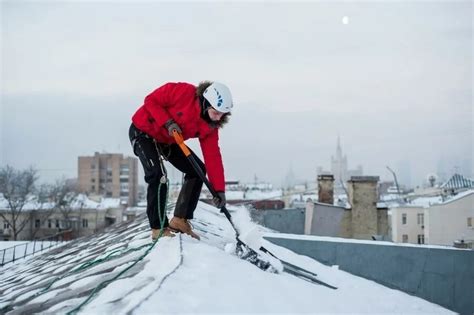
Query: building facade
109	175
444	223
408	224
451	221
47	222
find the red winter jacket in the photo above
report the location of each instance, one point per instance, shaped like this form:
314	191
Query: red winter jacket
178	101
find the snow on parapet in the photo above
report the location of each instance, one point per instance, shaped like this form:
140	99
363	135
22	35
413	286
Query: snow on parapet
354	241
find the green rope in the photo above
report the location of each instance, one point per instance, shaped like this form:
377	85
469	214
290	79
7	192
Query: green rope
84	266
111	255
101	285
89	264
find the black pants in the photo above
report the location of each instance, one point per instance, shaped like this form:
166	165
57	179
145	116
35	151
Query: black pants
149	151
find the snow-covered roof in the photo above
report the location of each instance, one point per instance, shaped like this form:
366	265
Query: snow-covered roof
458	196
135	210
80	202
382	204
31	204
182	275
262	194
142	203
426	201
303	197
234	194
389	197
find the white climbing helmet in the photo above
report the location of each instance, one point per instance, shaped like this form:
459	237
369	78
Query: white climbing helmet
218	95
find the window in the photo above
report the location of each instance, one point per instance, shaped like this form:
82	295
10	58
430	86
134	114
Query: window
85	223
420	218
124	169
57	224
421	239
49	223
405	238
37	223
93	187
93	180
6	225
404	218
469	222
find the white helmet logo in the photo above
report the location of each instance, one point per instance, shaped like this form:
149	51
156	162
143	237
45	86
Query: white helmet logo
219	98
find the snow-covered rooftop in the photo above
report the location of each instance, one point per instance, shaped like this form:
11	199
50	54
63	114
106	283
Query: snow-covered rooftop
426	202
80	202
182	275
459	196
257	194
235	195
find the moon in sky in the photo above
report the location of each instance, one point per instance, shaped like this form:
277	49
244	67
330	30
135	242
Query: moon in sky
345	20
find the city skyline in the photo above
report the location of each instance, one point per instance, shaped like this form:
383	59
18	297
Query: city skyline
394	80
402	169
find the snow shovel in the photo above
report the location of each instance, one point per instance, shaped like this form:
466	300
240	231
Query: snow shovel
243	250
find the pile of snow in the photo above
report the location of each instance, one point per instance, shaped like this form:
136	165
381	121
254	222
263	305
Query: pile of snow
182	275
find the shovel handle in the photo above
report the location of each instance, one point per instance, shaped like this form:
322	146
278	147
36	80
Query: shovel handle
180	141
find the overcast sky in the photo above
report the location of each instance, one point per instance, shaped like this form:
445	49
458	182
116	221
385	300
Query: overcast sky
395	82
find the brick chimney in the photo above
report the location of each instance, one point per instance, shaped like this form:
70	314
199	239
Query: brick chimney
326	189
363	200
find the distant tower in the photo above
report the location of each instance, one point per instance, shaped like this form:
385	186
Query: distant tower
339	164
289	178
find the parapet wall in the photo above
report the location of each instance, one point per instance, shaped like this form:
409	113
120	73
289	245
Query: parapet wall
441	276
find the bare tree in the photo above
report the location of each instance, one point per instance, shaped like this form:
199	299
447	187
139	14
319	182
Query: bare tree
66	199
16	186
45	204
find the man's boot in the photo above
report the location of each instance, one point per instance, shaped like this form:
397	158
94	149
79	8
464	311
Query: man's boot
182	225
155	233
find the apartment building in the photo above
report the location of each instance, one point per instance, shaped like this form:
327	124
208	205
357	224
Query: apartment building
442	223
109	175
408	224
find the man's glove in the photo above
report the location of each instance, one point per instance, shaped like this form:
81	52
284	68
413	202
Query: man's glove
172	125
219	200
